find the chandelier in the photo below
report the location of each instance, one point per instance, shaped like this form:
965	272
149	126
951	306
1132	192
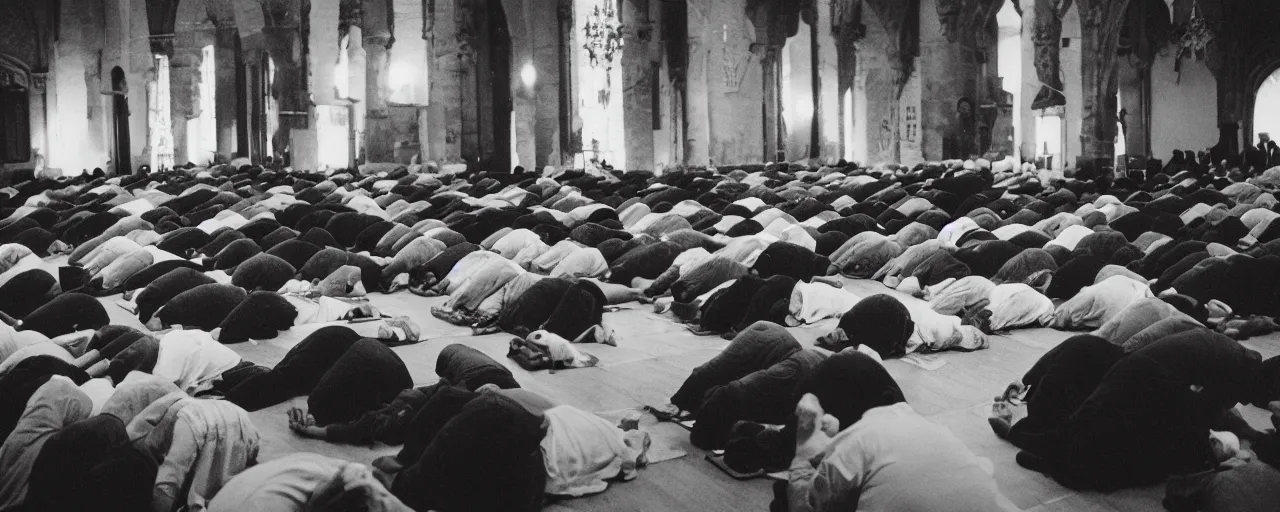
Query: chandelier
603	34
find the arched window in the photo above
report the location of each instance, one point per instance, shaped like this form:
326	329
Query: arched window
15	119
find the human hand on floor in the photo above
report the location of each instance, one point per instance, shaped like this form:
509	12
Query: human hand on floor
1015	389
814	429
304	424
668	412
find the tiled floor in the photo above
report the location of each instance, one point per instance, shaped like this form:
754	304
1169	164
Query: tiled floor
654	356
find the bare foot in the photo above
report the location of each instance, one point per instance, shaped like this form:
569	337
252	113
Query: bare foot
814	428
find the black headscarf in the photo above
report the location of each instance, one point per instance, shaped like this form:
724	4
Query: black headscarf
67	458
298	371
486	456
880	322
366	377
263	272
466	367
66	313
203	307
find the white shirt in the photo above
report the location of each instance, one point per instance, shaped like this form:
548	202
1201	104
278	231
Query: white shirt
894	459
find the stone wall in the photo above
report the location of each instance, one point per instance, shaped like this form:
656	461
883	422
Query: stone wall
1184	111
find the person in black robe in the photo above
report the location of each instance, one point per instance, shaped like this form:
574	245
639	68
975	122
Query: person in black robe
159	292
880	322
751	379
20	382
67	458
470	451
1150	415
852	382
579	315
458	366
344	374
203	307
534	307
1056	386
65	314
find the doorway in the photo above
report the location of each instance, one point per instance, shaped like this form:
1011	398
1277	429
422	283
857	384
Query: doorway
1266	108
493	104
120	149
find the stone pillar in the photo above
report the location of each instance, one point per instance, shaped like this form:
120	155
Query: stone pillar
1071	62
322	51
357	80
697	112
445	130
226	91
828	84
735	90
950	74
546	60
1030	84
798	127
379	140
38	96
882	83
184	97
637	85
769	66
1134	87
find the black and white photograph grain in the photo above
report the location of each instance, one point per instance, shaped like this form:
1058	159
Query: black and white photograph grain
639	255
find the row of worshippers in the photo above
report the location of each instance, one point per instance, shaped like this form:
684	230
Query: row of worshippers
1104	412
598	249
480	229
180	435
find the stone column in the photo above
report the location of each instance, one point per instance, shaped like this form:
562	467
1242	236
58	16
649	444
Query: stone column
444	133
637	85
735	91
357	79
1030	84
697	111
546	60
226	91
828	84
885	64
289	88
379	140
769	67
799	128
1134	88
38	97
184	97
950	73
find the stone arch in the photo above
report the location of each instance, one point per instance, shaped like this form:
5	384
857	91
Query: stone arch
1259	75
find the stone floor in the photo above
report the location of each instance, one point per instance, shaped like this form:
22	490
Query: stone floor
654	356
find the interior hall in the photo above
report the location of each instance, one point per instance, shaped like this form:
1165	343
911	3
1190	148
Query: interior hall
639	255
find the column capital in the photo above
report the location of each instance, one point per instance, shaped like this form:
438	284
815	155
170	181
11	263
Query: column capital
39	81
162	44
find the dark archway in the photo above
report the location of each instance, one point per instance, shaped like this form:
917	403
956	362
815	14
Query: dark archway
1264	100
121	150
494	103
15	119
